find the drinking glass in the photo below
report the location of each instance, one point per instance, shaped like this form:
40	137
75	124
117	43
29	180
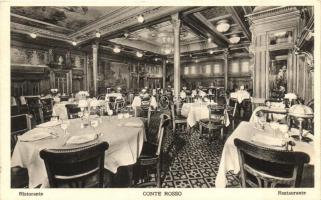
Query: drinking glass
64	126
110	113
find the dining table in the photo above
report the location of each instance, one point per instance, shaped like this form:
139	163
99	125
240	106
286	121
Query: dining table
276	113
196	111
240	95
125	137
268	137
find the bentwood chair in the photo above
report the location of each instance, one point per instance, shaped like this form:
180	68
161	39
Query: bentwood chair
119	105
47	105
177	118
233	112
265	167
214	121
151	157
81	167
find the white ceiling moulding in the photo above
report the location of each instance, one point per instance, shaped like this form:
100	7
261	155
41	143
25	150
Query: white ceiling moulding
24	29
125	19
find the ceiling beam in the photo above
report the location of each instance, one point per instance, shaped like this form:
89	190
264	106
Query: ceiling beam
199	20
200	17
194	10
240	20
219	18
247	10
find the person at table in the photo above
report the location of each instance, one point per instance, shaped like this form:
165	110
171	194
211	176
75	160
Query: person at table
116	95
182	94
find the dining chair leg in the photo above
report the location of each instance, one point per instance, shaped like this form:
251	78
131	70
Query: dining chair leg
158	176
222	133
201	130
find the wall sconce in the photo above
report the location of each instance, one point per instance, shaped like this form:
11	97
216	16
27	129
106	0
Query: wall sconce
116	49
98	34
140	19
139	54
33	35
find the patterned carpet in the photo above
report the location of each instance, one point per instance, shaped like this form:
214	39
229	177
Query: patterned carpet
191	162
195	163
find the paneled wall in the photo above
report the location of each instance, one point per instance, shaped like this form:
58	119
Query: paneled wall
212	73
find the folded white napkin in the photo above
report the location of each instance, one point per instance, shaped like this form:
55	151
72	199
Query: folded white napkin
36	134
49	124
79	139
267	140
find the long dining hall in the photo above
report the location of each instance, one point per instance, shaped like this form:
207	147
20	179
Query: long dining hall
162	96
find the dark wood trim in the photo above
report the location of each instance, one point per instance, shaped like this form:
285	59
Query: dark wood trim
239	20
203	30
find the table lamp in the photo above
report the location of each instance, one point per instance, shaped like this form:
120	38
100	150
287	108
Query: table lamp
301	112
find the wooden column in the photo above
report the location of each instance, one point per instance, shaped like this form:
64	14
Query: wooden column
164	73
177	67
95	65
225	56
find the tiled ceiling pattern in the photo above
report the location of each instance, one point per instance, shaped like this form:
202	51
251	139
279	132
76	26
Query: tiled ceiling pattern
71	20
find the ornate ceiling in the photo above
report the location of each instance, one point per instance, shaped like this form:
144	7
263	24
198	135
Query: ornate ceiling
119	26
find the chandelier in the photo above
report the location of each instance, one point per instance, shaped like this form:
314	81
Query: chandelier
166	40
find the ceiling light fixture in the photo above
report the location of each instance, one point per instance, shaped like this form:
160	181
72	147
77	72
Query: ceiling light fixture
33	35
140	19
98	34
209	40
222	26
234	39
74	43
139	54
211	51
116	49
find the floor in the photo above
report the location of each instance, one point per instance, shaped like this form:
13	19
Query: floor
196	162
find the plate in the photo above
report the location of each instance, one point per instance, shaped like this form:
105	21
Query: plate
80	139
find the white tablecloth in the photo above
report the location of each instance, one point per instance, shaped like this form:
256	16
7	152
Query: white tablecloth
125	145
197	111
137	102
245	131
276	116
240	95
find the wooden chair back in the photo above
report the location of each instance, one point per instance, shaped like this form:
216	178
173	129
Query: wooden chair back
19	125
265	167
72	111
164	122
76	167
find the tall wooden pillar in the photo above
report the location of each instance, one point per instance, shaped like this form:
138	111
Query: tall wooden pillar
177	67
164	73
225	56
95	65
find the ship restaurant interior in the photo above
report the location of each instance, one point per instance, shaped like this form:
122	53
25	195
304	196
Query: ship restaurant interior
172	97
